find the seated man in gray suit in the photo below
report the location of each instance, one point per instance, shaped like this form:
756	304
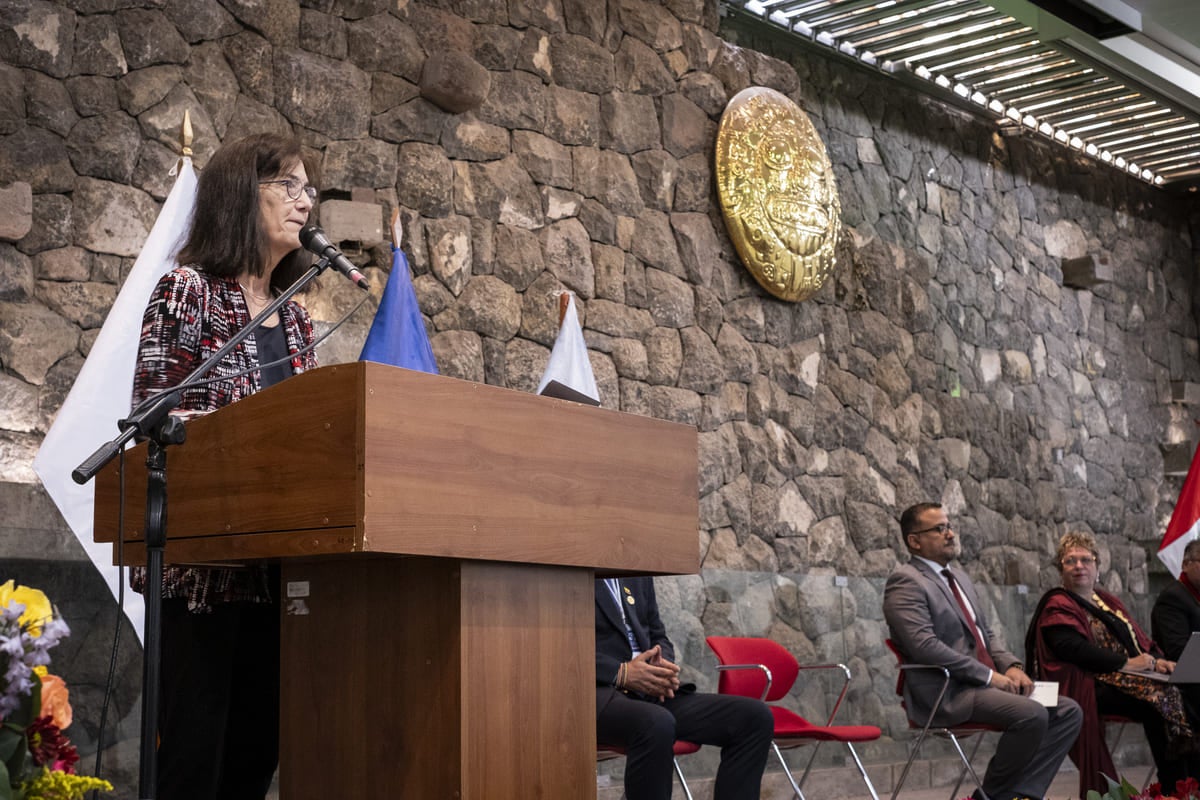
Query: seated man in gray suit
935	617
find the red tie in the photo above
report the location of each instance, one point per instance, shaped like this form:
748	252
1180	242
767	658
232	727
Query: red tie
981	651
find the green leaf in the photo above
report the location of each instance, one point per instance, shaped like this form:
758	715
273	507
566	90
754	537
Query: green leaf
10	738
5	785
1093	795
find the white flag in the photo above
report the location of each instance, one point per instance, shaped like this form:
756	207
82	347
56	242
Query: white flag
569	364
103	390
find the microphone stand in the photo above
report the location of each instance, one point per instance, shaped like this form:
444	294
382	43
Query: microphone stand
152	420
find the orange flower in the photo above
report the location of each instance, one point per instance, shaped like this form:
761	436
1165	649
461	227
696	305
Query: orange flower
56	702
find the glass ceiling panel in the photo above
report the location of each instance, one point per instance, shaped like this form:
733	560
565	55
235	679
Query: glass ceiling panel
967	52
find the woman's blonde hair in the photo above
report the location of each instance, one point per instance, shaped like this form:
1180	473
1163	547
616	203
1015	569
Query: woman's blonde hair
1073	539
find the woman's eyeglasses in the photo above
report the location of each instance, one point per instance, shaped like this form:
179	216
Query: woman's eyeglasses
1071	561
294	187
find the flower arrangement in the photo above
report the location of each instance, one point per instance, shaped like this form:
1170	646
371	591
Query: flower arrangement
37	761
1187	789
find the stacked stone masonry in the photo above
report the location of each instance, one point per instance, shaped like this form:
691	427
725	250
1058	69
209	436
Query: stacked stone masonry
543	145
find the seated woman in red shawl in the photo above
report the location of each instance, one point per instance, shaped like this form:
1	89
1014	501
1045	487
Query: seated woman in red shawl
1084	638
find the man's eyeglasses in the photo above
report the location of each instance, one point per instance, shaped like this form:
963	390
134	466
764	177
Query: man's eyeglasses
940	528
1071	561
294	187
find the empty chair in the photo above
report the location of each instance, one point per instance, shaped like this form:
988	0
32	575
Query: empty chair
764	669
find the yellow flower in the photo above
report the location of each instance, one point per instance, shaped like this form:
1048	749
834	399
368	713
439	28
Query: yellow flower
37	606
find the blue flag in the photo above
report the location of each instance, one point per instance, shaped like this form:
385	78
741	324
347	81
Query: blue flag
398	334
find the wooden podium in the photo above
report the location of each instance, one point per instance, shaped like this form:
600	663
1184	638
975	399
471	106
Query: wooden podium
438	541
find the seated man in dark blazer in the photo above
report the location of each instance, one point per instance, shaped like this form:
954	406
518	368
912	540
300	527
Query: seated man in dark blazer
641	706
1177	610
935	617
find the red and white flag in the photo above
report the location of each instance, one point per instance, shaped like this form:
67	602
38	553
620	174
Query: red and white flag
1185	522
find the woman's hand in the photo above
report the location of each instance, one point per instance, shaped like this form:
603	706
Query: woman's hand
1164	666
1141	663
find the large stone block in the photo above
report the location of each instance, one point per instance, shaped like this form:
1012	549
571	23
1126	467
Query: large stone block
148	38
630	122
501	191
250	56
48	103
358	163
214	83
277	20
467	138
37	157
105	146
608	177
581	64
652	23
39	35
330	97
33	338
491	307
454	81
518	256
515	101
93	94
572	117
12	99
16	210
546	161
16	274
417	120
383	43
111	218
85	304
567	253
449	243
641	70
200	20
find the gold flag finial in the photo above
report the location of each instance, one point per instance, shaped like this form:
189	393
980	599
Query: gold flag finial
185	138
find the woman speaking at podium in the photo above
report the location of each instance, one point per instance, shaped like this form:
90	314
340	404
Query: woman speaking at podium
219	709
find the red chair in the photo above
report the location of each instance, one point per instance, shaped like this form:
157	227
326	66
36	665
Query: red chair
765	670
953	734
605	752
1121	722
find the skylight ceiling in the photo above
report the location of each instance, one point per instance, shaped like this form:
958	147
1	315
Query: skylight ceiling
969	52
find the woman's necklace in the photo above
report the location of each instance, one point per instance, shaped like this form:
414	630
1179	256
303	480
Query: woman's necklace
260	299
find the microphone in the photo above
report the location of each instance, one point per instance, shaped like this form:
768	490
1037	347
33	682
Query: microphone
315	241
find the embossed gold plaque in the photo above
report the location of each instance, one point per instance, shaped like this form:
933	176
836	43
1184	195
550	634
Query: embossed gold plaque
777	193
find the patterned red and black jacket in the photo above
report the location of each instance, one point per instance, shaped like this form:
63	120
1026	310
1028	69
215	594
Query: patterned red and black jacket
190	316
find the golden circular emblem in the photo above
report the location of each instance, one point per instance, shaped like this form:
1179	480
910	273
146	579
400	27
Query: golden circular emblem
777	193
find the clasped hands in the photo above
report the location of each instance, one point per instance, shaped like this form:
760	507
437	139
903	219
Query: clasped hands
1014	680
652	675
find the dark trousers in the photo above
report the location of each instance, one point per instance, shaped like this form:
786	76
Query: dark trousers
647	730
219	713
1171	768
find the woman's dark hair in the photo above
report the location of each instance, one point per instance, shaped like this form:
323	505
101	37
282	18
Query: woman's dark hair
227	234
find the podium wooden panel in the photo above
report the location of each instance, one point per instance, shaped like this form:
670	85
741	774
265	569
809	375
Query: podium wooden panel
439	538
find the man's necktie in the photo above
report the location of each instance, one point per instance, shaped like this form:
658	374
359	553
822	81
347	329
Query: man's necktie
981	651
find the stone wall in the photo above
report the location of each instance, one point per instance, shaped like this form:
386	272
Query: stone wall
566	144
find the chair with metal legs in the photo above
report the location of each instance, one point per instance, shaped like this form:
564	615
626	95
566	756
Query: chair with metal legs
951	733
765	670
605	752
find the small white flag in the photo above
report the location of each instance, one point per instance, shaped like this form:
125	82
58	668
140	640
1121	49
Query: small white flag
104	388
569	364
